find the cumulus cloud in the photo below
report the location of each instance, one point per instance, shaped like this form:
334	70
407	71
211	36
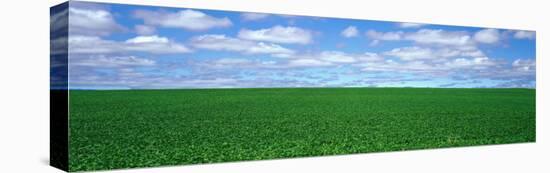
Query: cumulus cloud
144	30
384	35
186	19
223	63
440	37
308	63
328	58
472	67
350	31
92	22
488	36
319	59
526	65
411	25
254	16
411	53
343	57
262	65
278	34
432	37
147	39
148	44
154	44
471	63
337	57
228	64
222	42
423	53
397	67
111	61
524	35
448	62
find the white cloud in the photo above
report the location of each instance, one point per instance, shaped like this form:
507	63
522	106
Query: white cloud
201	83
447	68
374	43
384	35
425	37
147	39
472	63
488	36
227	63
467	51
253	16
440	37
320	59
282	55
410	53
369	57
525	35
59	20
524	65
241	63
439	54
58	45
337	57
350	31
149	44
92	22
91	44
233	61
278	34
328	58
145	30
437	61
308	63
154	44
186	19
268	48
111	61
221	42
399	67
410	25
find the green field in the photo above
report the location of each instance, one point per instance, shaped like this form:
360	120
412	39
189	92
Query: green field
141	128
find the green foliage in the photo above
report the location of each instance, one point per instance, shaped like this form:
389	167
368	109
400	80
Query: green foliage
142	128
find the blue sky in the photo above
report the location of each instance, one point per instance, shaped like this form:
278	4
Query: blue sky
113	46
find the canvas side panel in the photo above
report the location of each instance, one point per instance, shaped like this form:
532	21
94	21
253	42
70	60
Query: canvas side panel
59	132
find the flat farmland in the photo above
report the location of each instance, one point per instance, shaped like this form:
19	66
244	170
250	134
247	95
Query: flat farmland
142	128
